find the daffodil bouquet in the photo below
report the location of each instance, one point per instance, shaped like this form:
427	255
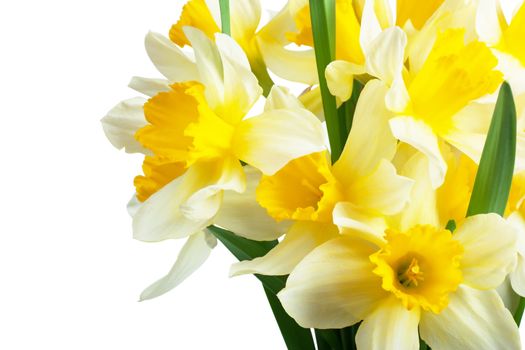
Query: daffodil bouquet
381	205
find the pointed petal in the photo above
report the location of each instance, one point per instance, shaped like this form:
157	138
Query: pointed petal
240	212
272	139
122	122
333	287
490	250
387	55
487	22
280	97
149	87
340	78
169	59
370	139
209	65
302	238
359	224
383	191
420	136
391	326
472	320
247	14
193	254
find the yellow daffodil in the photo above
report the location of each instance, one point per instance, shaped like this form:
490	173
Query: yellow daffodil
431	103
412	279
194	133
362	183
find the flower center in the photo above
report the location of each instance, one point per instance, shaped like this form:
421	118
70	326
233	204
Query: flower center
421	267
409	275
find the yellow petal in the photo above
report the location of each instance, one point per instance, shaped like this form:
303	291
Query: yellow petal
195	13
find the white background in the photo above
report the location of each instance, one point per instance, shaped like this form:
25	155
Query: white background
70	274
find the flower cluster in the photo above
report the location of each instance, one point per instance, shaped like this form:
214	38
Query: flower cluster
372	231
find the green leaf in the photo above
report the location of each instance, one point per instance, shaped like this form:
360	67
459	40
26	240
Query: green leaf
330	337
225	16
322	14
295	337
347	110
494	176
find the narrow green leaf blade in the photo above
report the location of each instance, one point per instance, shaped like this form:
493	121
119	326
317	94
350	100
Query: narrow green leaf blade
294	335
494	176
225	16
322	14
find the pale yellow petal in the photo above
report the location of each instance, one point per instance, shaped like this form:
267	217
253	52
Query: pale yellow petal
472	320
358	223
340	78
387	55
370	139
303	237
280	97
148	86
490	250
122	122
274	138
192	255
517	275
169	59
245	15
241	214
420	136
333	287
389	327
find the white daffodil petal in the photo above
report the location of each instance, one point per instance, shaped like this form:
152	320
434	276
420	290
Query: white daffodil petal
472	320
189	203
241	88
149	87
421	208
370	26
370	139
240	212
517	276
280	97
209	65
383	191
302	238
513	71
246	14
397	97
122	122
160	216
420	136
312	101
487	22
387	55
508	295
269	141
490	250
390	327
169	59
193	254
133	205
340	78
333	286
359	224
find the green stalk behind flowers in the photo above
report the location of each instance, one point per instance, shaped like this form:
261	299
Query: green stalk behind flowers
494	177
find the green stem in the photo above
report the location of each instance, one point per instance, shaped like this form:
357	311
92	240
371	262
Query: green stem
519	311
225	16
322	14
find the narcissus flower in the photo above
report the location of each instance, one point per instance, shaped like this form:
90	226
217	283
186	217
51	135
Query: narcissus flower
362	183
195	133
427	103
412	279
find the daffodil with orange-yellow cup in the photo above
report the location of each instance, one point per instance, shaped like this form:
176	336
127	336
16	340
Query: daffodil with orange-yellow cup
195	132
412	278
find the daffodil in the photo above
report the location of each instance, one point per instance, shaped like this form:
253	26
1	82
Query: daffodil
431	102
412	279
362	183
195	133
